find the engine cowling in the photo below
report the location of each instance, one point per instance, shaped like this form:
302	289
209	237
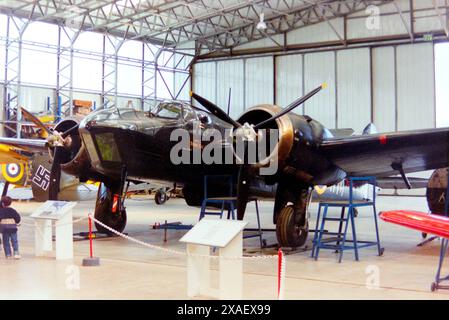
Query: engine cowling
281	150
436	191
74	158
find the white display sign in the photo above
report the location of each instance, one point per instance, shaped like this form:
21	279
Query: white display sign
214	232
53	210
59	214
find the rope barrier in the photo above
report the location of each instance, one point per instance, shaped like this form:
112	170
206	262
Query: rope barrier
280	256
177	252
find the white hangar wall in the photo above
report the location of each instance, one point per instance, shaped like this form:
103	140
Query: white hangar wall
391	86
391	83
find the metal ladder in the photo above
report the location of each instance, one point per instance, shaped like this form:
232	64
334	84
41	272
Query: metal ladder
339	241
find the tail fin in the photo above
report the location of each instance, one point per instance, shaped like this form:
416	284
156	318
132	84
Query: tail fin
369	129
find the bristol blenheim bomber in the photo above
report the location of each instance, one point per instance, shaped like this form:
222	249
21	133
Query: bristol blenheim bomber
118	146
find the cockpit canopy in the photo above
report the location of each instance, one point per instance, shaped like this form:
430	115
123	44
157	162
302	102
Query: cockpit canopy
174	110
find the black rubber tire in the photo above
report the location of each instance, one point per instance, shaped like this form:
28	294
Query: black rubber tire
116	221
433	287
288	232
103	212
160	197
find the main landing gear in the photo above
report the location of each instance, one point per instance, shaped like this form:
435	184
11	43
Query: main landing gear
110	210
291	216
110	205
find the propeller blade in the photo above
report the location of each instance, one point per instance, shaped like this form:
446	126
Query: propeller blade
243	184
31	117
291	106
242	191
55	174
67	132
215	110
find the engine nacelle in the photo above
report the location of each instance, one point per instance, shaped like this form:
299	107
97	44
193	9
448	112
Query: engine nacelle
74	158
436	191
281	150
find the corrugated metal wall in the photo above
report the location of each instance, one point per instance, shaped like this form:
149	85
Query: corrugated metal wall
259	81
230	75
354	90
289	79
415	86
384	88
392	86
205	82
319	68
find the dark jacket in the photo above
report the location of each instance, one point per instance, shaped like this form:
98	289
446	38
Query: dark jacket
9	218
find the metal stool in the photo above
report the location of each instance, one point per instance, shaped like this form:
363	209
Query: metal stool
228	203
338	242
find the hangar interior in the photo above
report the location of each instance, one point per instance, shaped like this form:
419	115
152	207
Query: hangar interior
385	62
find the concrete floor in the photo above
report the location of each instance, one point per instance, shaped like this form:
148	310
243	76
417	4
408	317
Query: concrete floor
130	271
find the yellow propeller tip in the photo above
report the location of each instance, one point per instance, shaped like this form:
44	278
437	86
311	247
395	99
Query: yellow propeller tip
324	85
191	93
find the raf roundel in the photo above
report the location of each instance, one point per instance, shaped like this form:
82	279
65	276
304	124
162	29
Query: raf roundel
13	172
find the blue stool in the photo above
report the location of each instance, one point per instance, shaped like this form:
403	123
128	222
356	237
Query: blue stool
339	239
228	202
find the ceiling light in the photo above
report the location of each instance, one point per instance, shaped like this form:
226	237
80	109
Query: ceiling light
261	25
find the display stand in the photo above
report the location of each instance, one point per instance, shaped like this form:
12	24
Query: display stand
443	249
59	212
227	236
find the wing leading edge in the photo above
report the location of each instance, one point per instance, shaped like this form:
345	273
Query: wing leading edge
28	145
377	154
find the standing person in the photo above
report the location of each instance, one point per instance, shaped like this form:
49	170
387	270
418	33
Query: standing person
9	218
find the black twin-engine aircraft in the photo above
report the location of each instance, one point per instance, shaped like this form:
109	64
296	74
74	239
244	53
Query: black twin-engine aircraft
116	146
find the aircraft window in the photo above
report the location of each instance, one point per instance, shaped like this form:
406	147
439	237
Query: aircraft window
169	110
107	147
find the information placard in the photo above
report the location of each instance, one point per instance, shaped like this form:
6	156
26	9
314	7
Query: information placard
214	232
53	210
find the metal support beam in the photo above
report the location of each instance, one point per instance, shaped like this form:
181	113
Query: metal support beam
148	77
442	16
64	71
13	64
109	79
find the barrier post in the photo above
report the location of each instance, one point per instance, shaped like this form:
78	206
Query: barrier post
281	274
91	261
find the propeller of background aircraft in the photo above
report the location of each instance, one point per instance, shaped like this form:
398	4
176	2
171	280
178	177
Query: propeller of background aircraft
247	132
32	118
59	143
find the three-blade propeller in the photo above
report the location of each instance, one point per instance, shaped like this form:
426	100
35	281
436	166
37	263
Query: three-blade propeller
247	132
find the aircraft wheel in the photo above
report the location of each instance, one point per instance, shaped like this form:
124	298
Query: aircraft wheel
433	286
103	212
116	221
160	197
288	231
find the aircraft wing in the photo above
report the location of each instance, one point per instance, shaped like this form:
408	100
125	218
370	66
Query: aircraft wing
421	221
30	145
398	183
375	155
